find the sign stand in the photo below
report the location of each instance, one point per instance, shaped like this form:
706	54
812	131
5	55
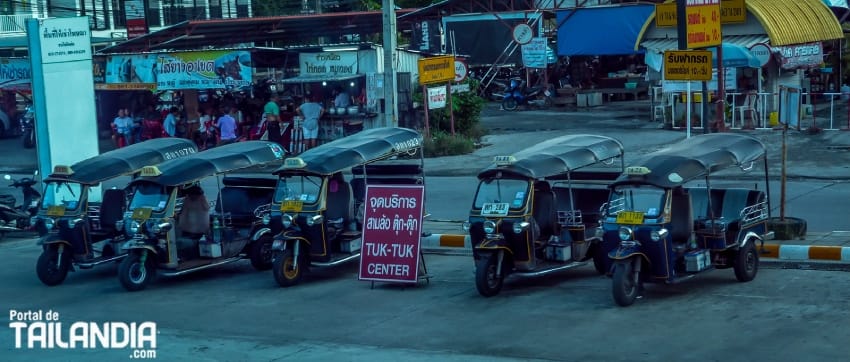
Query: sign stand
423	273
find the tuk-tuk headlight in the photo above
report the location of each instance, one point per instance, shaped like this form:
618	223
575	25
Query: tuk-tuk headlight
626	233
465	226
267	219
658	234
315	220
489	227
49	223
134	226
520	227
286	220
119	225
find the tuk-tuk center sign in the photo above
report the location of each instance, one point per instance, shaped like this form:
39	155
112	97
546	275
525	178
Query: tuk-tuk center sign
436	69
687	65
391	233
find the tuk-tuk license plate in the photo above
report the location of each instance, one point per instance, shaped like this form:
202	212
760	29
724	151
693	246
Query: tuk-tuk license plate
58	210
630	217
142	213
292	205
495	209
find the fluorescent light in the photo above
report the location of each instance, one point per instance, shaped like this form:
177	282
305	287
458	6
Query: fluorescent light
343	49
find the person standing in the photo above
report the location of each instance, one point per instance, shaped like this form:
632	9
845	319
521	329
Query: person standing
123	127
272	114
226	127
341	98
170	123
312	111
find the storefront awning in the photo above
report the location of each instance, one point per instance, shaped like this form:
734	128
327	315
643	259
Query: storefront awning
607	30
313	78
662	45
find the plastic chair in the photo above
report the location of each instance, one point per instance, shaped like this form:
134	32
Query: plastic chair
662	102
750	105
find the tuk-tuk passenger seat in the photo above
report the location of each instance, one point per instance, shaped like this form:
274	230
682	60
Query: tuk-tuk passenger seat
543	209
681	218
111	211
734	201
339	201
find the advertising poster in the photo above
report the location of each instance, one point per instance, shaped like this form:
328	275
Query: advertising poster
15	74
138	68
214	69
391	233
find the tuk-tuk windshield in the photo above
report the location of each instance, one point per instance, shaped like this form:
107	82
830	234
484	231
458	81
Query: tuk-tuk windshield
648	200
298	188
66	194
498	191
149	195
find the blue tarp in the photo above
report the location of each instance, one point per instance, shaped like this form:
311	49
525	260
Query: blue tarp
608	30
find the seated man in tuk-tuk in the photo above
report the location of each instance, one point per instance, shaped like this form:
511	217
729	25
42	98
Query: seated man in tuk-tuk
194	219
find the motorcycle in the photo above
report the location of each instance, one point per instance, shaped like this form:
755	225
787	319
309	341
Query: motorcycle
517	94
17	218
28	127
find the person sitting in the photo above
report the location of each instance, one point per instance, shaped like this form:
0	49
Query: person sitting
195	215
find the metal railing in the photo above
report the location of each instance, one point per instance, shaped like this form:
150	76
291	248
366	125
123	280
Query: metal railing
754	212
14	23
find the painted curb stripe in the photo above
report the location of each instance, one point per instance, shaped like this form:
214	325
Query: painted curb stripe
825	252
793	252
452	241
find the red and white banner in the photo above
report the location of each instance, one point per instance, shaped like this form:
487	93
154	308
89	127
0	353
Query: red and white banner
392	229
134	16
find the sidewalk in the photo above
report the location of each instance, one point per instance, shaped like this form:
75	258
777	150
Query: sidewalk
449	237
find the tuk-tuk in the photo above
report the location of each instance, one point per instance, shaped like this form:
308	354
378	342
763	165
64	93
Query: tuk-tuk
176	231
313	212
76	232
657	229
534	214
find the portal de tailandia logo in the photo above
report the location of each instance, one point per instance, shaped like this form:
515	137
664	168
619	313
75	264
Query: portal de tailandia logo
38	329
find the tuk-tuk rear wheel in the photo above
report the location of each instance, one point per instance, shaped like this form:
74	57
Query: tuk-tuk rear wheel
747	263
282	267
487	279
625	284
48	272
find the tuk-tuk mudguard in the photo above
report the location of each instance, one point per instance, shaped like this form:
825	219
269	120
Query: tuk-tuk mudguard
623	253
53	239
288	238
750	236
259	233
492	245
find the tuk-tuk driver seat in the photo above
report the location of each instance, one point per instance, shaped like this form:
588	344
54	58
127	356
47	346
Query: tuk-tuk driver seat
111	211
681	218
544	209
339	202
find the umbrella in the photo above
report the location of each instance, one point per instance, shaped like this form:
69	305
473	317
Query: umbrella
735	56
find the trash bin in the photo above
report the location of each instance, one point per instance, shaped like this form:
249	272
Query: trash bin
773	120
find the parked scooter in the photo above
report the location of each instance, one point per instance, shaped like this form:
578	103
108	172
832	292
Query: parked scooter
28	127
17	218
518	94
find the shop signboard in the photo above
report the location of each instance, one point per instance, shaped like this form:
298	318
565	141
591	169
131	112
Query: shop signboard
392	229
730	82
436	69
687	65
65	40
703	27
123	70
211	69
534	53
800	55
134	14
731	12
437	97
15	74
762	52
330	63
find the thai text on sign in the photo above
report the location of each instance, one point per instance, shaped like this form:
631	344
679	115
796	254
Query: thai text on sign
687	65
731	12
703	26
436	69
437	97
392	226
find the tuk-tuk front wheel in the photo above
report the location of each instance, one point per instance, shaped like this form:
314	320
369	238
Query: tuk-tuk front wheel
260	253
626	283
488	280
134	274
747	263
286	272
52	266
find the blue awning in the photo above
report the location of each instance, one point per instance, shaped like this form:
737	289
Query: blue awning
604	30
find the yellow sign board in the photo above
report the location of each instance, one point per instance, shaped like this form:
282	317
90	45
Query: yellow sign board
437	69
687	65
731	12
703	23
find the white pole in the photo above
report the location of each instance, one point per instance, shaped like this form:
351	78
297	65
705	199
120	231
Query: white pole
390	80
688	113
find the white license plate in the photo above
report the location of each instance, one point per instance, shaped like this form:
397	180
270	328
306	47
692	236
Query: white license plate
495	209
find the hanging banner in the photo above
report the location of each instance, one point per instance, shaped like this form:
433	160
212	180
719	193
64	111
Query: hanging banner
328	63
212	69
138	68
15	74
534	53
134	17
392	229
437	97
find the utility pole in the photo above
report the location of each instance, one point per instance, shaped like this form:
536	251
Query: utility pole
390	80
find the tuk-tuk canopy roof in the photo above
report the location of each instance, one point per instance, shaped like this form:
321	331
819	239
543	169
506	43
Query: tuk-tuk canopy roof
556	156
360	148
691	158
124	160
222	159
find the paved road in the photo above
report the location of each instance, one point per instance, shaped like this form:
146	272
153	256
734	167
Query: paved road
234	313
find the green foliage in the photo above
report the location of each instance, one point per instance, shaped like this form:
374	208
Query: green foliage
467	108
444	144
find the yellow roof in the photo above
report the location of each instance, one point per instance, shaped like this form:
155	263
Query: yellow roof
787	21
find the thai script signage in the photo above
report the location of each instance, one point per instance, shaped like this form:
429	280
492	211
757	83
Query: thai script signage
15	74
731	12
534	53
437	69
703	23
328	63
213	69
687	65
392	229
65	40
802	55
437	97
